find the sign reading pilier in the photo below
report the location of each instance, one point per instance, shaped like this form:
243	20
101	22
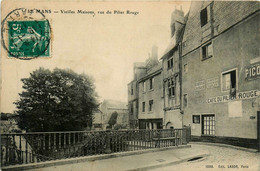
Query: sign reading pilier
253	71
239	96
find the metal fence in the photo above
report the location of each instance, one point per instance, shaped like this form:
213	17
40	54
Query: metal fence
22	148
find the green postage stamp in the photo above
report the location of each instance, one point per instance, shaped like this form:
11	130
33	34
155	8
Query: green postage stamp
29	38
26	34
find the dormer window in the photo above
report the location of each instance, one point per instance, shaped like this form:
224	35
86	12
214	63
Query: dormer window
170	63
207	51
151	83
203	17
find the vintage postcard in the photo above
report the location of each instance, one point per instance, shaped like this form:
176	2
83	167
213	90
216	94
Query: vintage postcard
128	85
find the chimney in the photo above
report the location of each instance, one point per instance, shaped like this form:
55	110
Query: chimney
155	52
177	22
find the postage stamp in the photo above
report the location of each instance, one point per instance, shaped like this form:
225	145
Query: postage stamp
26	34
28	38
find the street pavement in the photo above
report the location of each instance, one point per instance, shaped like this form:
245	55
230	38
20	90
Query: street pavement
213	158
220	158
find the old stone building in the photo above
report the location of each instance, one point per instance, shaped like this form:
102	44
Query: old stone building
133	94
210	74
220	71
103	114
145	94
171	73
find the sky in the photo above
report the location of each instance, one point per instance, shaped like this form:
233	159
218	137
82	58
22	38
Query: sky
104	46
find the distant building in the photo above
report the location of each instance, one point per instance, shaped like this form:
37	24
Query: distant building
8	124
103	114
98	122
221	72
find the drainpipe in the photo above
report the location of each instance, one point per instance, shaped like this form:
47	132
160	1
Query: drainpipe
180	80
164	111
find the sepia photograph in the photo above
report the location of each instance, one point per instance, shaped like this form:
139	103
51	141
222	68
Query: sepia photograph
123	85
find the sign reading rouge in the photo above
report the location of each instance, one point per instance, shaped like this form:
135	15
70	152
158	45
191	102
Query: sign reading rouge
253	71
239	96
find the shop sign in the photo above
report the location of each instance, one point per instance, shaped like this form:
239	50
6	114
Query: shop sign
200	85
253	71
239	96
212	82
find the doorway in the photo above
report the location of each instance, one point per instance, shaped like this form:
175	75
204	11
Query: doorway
208	125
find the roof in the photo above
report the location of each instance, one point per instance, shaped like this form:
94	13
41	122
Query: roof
171	45
173	42
139	64
225	14
115	104
155	70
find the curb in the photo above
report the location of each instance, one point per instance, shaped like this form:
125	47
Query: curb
227	146
169	163
87	158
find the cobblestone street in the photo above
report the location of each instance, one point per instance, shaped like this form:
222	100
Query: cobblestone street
216	158
220	158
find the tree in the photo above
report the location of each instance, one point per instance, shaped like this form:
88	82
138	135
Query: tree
58	100
113	119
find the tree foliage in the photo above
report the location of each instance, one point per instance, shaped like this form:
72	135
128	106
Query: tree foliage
113	119
58	100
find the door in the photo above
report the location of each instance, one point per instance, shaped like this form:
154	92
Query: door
208	125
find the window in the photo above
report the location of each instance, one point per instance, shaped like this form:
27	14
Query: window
151	105
185	100
229	82
170	63
203	17
208	124
143	107
196	119
131	108
207	51
144	86
185	68
171	87
132	89
151	83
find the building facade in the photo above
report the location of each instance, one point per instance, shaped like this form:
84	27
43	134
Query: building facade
173	117
210	75
221	71
150	99
145	94
133	94
103	114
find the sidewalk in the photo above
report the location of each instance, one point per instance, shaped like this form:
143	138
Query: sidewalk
144	161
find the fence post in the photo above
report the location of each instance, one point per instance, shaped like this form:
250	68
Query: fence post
188	133
184	136
107	144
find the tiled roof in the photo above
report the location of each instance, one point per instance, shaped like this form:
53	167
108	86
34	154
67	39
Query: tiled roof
225	14
115	104
155	68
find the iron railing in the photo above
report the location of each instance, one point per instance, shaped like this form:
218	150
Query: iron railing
22	148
